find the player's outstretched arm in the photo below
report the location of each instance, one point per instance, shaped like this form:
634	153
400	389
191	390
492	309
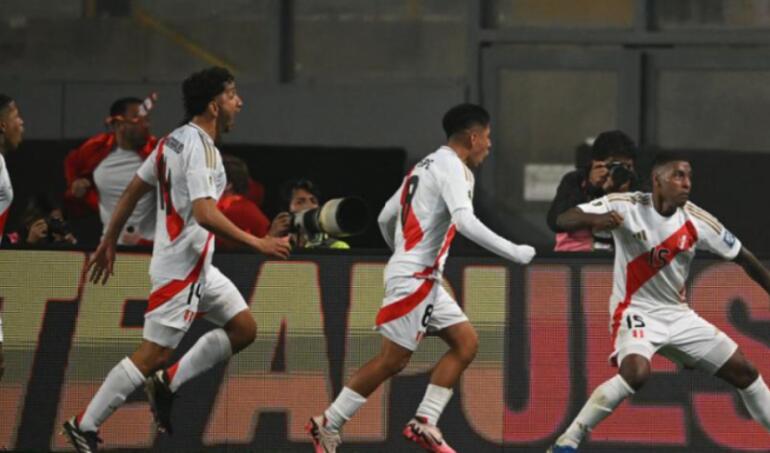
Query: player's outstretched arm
471	227
387	220
753	268
211	218
575	219
102	260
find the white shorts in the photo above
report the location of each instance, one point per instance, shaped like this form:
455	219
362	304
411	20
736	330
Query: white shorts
414	306
689	340
175	304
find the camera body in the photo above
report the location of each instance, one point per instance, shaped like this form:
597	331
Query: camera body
620	173
57	226
339	217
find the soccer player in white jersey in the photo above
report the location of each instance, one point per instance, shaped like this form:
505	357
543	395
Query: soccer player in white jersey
656	235
11	133
186	169
418	223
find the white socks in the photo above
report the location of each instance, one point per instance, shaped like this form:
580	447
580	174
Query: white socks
756	397
210	349
433	403
343	408
123	379
602	402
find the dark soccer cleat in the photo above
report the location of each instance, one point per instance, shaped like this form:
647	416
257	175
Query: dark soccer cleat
161	399
83	441
561	449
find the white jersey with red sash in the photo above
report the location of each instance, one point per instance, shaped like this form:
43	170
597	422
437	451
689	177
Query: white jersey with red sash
653	253
185	166
436	187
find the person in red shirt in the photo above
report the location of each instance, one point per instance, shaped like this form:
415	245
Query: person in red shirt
236	204
129	130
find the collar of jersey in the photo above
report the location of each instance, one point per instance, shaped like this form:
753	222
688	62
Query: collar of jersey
200	129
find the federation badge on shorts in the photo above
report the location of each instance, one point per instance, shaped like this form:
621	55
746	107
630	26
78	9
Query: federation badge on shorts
729	238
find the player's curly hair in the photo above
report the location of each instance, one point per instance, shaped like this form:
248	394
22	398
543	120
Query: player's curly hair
5	101
201	87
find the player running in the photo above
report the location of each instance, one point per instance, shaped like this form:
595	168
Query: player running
187	170
418	223
656	236
11	133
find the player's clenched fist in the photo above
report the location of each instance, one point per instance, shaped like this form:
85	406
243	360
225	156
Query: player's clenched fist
278	247
608	221
523	254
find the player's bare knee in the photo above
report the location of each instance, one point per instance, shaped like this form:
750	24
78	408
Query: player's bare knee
468	349
635	370
744	375
241	330
393	364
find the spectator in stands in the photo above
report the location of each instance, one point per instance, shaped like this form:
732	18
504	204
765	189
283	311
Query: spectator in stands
612	153
301	195
236	205
99	170
44	224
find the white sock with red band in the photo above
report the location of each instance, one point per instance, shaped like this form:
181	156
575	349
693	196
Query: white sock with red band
210	349
123	379
343	408
756	397
602	402
434	402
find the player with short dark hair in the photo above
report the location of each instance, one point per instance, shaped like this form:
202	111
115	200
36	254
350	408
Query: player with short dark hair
11	135
186	169
419	222
656	235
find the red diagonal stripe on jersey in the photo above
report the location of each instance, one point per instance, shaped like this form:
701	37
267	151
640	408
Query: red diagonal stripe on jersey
410	226
174	222
3	218
641	269
172	288
448	238
402	307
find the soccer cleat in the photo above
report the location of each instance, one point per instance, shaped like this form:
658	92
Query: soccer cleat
83	441
324	440
561	449
161	398
427	436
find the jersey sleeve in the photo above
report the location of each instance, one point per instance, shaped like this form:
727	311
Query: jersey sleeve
201	163
457	187
712	235
598	206
147	172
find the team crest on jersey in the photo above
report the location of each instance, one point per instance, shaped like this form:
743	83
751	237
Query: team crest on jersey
174	145
683	242
729	238
640	235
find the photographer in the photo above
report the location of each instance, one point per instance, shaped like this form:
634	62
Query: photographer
44	224
610	169
302	195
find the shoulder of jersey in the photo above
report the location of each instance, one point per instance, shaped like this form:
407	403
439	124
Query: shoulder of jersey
704	216
633	198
